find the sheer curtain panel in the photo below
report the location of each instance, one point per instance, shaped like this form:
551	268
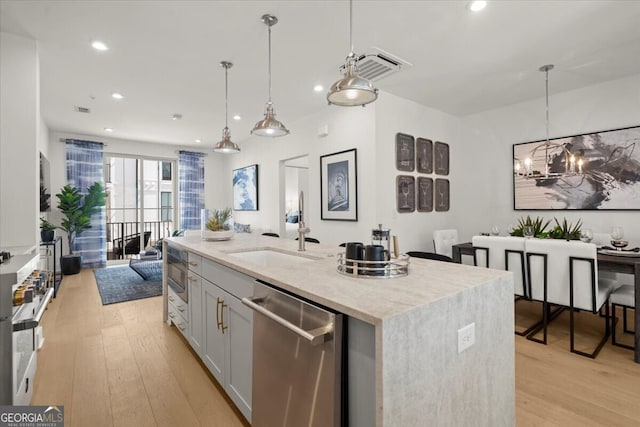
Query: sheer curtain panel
190	189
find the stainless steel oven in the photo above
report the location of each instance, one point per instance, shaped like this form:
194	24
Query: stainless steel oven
177	271
23	300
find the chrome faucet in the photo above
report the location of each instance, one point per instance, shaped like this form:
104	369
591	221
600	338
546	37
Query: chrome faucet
302	229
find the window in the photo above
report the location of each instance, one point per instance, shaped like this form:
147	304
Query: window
166	206
166	171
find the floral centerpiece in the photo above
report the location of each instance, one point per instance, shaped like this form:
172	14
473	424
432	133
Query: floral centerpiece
217	224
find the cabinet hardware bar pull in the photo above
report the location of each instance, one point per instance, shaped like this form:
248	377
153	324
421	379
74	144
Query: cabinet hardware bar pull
223	327
218	312
172	315
192	279
193	264
314	336
171	298
180	308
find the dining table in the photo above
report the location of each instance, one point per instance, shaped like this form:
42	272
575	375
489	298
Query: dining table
624	263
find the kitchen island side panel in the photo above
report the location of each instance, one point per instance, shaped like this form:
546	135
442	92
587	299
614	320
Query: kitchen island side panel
425	381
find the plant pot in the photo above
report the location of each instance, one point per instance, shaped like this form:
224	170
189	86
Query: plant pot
71	264
47	235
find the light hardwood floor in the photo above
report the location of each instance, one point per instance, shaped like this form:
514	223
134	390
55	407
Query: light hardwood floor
120	365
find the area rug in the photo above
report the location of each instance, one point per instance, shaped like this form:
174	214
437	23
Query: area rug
120	283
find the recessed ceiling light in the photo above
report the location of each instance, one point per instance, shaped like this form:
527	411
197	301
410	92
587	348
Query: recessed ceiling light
108	130
116	95
477	5
98	45
198	141
237	117
176	116
318	88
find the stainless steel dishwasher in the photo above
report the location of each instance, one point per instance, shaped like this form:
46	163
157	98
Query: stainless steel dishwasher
297	361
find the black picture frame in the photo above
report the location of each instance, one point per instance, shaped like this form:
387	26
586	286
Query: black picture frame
424	155
591	171
425	194
339	186
441	158
405	193
245	188
441	195
405	152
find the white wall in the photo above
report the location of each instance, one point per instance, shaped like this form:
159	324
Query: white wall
393	115
19	154
487	143
348	128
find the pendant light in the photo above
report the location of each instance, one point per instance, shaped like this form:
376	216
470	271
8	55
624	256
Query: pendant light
351	90
544	162
269	126
226	145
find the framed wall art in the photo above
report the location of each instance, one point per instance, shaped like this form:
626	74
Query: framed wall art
441	195
406	193
441	158
338	186
425	194
424	155
405	152
245	188
592	171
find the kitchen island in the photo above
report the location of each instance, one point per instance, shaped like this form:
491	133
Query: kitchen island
404	364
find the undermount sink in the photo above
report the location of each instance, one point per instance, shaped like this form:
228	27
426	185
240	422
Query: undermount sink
269	257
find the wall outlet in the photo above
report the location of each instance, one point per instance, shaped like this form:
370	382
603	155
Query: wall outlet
466	337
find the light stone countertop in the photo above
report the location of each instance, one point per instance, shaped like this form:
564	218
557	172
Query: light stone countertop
369	300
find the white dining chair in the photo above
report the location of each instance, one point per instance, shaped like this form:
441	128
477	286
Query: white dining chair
443	240
565	273
623	297
505	253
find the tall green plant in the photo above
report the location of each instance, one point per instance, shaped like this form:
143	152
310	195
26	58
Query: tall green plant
538	224
566	230
77	209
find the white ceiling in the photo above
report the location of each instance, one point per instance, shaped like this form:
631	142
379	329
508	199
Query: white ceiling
164	57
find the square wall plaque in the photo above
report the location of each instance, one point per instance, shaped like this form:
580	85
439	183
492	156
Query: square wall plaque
441	158
442	195
424	155
405	152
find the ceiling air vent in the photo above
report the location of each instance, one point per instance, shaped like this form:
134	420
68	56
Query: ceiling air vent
378	64
83	110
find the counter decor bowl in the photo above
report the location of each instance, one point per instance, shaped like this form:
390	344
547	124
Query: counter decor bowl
217	235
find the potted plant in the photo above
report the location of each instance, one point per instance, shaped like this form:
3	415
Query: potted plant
47	230
77	210
539	226
218	224
566	230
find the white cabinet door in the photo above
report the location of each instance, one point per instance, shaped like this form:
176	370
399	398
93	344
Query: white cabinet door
195	313
213	307
239	335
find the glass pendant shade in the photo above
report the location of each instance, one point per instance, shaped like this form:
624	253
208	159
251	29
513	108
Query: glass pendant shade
352	90
225	145
270	126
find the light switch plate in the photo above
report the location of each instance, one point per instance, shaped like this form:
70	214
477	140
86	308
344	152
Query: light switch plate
466	337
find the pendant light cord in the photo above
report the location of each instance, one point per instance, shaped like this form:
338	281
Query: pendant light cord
269	64
351	26
547	100
226	97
